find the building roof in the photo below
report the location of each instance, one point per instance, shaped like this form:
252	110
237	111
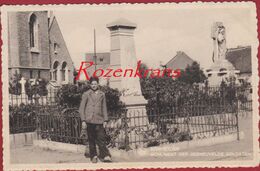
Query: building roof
240	57
180	61
121	22
102	57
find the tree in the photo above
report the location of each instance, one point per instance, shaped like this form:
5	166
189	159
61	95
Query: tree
70	96
14	85
39	87
143	68
192	74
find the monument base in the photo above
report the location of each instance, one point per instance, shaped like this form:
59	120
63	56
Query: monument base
136	110
134	100
222	64
220	71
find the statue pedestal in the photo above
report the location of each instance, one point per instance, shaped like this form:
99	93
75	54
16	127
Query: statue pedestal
222	64
219	71
133	100
221	68
136	110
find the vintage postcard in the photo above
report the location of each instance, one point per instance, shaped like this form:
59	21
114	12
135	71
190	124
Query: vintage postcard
161	85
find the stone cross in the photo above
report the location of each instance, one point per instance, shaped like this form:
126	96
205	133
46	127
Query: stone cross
22	82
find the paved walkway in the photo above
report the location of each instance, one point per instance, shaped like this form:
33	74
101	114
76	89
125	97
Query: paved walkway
241	150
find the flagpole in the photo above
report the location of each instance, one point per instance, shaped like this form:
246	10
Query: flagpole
95	55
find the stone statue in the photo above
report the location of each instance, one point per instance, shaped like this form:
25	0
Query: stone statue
219	38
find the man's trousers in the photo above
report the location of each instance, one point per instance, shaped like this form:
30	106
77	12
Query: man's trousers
97	136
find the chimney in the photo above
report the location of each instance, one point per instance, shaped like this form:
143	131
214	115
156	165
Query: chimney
179	52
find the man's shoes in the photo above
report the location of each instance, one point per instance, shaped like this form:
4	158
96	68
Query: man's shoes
107	159
94	159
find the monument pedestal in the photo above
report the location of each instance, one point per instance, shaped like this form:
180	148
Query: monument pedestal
136	110
123	56
133	100
220	71
222	64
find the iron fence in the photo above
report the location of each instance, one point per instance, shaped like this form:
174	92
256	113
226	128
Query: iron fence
246	106
61	125
140	127
23	109
22	118
33	99
170	118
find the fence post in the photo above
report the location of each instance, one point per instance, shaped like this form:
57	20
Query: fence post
236	113
125	126
38	126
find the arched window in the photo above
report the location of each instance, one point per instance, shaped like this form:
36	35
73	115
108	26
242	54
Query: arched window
63	71
33	26
55	70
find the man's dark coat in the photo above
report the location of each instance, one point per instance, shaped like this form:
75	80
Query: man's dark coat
93	107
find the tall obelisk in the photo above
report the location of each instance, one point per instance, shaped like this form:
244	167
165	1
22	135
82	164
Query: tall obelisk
123	57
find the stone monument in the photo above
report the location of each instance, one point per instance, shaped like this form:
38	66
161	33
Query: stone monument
123	56
221	68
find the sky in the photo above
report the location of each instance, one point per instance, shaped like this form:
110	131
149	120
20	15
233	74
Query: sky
161	31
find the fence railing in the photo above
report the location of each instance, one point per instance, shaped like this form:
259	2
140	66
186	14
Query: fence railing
23	109
246	106
35	99
201	116
134	129
22	118
62	126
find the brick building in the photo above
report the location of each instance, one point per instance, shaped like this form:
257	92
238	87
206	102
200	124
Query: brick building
36	47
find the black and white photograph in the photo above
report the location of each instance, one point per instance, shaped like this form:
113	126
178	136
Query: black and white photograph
130	86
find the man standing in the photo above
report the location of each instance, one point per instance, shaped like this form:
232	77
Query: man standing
93	113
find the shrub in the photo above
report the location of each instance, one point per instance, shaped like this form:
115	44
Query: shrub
70	96
14	85
22	118
179	137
